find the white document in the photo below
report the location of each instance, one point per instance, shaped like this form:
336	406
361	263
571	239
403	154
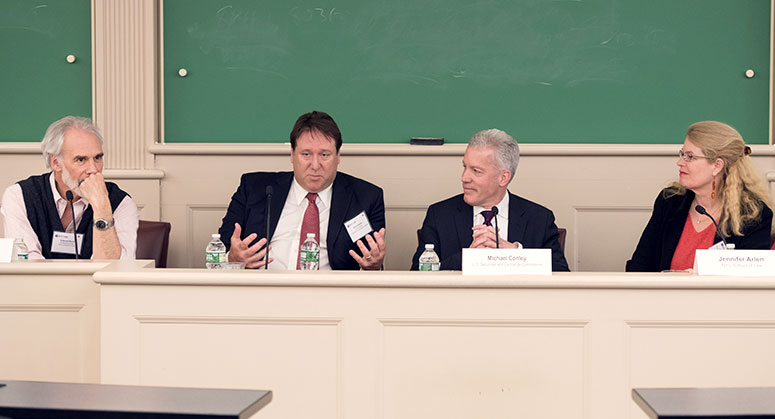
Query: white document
507	261
358	226
6	250
63	243
735	262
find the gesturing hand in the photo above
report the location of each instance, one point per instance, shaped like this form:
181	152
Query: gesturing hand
242	251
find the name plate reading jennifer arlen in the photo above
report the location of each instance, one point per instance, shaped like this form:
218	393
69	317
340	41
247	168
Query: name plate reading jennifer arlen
735	262
507	261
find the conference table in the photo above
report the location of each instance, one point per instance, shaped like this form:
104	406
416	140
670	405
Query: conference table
391	344
43	400
687	403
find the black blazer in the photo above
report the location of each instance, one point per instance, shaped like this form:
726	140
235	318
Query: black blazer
448	226
349	197
659	240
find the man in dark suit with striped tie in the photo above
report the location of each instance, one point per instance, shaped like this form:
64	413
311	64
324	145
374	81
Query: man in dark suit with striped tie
467	220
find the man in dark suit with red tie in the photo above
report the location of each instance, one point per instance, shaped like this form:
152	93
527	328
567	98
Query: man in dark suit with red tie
467	220
346	214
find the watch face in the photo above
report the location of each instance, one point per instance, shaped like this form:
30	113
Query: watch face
103	224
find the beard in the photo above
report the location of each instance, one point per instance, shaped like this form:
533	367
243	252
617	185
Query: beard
71	183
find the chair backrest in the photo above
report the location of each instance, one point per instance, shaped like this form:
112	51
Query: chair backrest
153	240
563	232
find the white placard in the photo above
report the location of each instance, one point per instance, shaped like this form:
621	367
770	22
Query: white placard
358	226
62	242
735	262
507	261
6	250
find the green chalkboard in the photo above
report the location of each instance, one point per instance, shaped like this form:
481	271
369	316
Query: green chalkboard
37	84
563	71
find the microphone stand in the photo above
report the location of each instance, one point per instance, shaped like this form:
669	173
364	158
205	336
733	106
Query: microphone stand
495	216
269	193
701	210
69	196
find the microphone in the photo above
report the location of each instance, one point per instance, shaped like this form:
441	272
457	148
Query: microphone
701	210
495	217
69	196
269	193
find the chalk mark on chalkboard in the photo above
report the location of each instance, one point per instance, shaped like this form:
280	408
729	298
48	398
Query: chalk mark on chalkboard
224	8
39	6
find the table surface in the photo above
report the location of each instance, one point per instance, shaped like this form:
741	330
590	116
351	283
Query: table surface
28	399
697	403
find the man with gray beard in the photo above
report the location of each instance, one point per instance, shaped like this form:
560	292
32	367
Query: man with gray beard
37	210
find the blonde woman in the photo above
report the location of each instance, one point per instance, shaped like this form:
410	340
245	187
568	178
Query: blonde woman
715	172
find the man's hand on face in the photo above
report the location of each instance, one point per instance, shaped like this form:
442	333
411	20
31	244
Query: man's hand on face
484	238
93	189
371	257
241	250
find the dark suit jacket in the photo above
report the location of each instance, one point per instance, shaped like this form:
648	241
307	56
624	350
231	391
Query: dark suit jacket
663	231
349	197
448	226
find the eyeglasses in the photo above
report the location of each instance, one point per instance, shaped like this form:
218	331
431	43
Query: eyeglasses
689	157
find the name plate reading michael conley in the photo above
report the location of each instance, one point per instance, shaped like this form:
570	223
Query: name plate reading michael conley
507	261
735	262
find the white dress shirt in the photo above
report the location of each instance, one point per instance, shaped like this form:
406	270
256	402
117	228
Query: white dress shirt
17	225
285	240
503	217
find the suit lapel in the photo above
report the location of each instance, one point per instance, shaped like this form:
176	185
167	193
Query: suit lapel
674	229
517	221
341	198
464	222
282	186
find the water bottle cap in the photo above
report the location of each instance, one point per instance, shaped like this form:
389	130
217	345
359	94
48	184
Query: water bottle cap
310	235
216	236
429	247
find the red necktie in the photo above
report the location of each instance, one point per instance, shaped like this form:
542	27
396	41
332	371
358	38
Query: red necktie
310	224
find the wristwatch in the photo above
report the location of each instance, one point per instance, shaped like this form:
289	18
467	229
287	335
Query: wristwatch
102	224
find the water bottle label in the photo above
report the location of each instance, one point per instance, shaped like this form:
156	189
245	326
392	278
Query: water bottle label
309	256
429	266
215	257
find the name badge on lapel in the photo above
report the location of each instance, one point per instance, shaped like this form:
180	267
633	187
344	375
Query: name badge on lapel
63	243
358	226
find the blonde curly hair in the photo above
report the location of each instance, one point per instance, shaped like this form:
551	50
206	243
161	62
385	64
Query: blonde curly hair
741	186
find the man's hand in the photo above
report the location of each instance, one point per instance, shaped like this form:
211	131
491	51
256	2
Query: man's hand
484	238
371	258
93	189
242	251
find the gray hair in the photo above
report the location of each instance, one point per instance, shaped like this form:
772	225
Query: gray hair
505	147
55	135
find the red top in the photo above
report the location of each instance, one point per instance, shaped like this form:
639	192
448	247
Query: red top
691	240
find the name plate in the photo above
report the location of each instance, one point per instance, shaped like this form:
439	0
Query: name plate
6	250
507	261
735	262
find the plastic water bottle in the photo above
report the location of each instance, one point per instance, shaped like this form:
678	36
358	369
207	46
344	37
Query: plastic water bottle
215	254
20	249
309	256
429	260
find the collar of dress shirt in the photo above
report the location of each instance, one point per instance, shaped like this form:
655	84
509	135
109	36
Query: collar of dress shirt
60	201
300	195
503	208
